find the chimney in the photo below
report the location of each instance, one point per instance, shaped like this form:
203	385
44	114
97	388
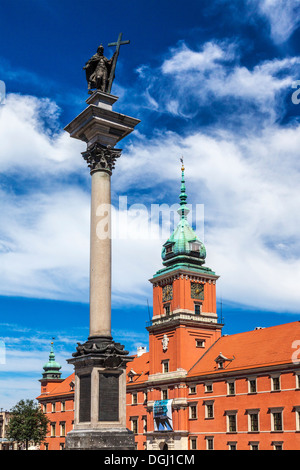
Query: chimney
141	350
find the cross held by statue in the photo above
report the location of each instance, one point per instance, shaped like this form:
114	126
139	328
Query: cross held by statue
117	44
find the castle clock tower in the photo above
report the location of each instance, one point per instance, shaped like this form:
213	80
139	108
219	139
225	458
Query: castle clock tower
184	300
184	325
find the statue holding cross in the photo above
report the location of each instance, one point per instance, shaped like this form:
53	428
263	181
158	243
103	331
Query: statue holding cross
100	71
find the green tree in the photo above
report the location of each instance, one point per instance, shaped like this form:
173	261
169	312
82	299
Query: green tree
27	423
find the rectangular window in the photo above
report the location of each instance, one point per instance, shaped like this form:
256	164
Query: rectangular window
254	445
231	388
193	411
252	386
167	309
231	421
209	443
134	399
200	343
164	394
193	443
53	429
63	406
277	421
232	445
192	389
208	388
209	410
165	366
63	429
297	420
134	425
275	384
197	309
53	407
254	422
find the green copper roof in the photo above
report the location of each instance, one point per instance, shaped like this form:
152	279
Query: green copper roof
183	244
52	367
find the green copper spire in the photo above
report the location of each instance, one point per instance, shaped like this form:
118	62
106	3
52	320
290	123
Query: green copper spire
52	367
183	211
183	246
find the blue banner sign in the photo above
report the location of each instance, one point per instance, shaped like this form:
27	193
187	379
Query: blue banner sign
162	415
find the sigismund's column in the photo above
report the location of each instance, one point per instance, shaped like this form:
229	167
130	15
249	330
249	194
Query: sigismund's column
100	363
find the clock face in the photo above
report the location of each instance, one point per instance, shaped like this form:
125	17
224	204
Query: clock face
197	291
167	293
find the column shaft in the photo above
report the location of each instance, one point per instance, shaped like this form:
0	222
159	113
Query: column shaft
100	255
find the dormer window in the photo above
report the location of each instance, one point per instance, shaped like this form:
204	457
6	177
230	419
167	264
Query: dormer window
195	246
169	249
221	360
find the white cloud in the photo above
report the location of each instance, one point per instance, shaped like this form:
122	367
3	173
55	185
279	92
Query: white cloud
183	60
32	142
203	79
283	16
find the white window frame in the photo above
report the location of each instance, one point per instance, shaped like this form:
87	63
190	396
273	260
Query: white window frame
200	343
209	439
276	443
193	405
253	412
272	412
230	382
134	398
252	379
62	429
208	403
53	429
228	414
232	443
134	419
193	439
275	376
164	363
297	377
163	391
297	416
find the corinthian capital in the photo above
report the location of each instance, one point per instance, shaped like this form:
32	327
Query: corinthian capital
101	158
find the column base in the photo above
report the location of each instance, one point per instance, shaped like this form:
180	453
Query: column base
104	439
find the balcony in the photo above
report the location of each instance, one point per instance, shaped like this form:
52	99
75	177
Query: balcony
184	315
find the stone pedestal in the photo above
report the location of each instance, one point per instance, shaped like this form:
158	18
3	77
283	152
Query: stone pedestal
100	363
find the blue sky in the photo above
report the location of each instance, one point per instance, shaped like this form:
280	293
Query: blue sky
212	81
